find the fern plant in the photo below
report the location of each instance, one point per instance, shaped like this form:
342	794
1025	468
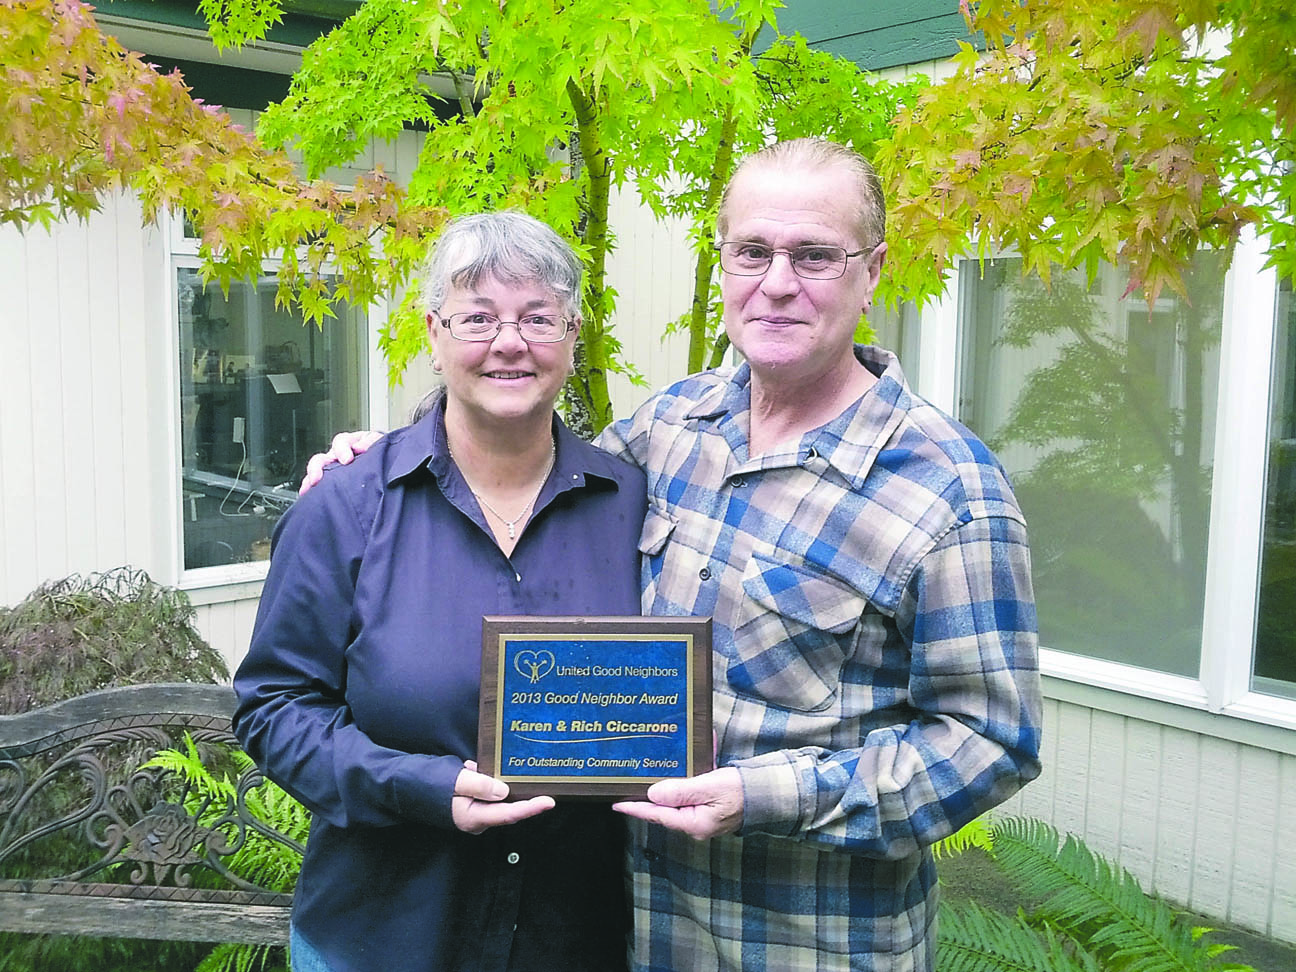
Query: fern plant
976	833
267	863
1089	915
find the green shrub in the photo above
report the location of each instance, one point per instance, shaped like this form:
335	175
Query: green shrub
84	633
73	636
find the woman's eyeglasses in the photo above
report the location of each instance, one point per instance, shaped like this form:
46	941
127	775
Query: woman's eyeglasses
534	328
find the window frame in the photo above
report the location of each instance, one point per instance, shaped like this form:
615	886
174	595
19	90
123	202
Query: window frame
1236	520
240	580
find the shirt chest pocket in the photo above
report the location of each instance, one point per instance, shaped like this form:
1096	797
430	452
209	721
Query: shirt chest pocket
794	629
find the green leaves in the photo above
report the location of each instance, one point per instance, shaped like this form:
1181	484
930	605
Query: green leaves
235	22
1086	133
1100	131
1084	915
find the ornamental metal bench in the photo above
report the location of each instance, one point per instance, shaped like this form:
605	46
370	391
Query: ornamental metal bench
94	843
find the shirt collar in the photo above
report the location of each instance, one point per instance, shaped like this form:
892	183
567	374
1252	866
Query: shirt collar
848	444
424	445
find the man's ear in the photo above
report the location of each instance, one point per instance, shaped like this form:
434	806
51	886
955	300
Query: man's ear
873	272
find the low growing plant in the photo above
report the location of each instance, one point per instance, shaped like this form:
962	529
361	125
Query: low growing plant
1085	914
260	860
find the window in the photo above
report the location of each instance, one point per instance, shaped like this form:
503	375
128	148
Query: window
898	330
1103	412
1275	641
260	391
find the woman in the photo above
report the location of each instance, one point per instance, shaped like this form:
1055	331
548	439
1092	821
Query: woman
359	693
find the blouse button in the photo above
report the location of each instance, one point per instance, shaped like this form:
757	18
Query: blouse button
705	573
514	857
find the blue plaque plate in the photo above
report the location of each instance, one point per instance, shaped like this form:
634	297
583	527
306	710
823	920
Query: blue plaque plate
594	707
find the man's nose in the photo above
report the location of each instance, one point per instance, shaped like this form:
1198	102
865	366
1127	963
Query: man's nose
780	279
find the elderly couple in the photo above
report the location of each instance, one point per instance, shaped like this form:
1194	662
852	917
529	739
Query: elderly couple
860	553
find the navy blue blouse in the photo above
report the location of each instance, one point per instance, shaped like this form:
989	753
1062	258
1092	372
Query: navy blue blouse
359	696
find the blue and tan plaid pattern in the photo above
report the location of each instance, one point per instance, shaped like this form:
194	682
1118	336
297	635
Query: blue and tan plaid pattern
874	666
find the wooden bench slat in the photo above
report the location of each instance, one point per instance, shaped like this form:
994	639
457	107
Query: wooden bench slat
183	921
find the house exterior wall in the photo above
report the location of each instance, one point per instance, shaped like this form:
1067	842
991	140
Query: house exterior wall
1205	820
82	426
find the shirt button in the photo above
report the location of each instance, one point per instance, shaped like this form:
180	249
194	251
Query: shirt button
705	573
514	857
739	482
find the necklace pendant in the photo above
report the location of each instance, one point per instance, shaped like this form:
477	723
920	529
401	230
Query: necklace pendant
510	530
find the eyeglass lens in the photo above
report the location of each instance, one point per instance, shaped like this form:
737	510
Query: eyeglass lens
811	260
539	328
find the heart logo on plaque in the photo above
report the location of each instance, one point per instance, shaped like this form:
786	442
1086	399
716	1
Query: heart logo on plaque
534	665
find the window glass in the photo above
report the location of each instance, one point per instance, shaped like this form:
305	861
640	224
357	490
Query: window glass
259	391
1102	409
1275	654
897	330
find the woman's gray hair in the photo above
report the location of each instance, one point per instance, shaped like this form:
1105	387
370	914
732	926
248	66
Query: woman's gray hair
510	246
797	155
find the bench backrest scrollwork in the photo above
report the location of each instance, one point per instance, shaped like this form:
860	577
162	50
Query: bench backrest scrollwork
92	842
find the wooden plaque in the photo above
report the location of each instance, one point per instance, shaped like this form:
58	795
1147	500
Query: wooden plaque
598	707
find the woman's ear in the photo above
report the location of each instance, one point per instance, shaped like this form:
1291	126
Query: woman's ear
572	335
434	336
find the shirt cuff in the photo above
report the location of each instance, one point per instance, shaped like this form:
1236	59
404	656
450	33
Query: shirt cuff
775	801
423	787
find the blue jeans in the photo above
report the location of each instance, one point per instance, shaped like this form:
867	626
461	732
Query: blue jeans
305	958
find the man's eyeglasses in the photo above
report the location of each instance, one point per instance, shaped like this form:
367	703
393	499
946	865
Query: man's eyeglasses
813	261
534	329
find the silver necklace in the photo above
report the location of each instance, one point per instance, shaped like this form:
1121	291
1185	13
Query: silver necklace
510	524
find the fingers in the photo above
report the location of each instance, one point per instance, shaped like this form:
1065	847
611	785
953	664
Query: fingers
314	472
702	807
342	450
470	783
473	816
478	802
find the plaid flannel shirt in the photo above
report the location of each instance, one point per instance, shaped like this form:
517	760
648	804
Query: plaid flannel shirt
874	663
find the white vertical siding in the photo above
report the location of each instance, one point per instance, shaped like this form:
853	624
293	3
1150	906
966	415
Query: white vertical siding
17	432
1282	897
651	270
1207	823
227	623
1138	795
78	426
1176	832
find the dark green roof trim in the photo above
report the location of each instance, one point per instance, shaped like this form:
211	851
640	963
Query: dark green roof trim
228	87
877	36
237	87
297	29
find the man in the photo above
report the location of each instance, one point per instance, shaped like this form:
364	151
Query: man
867	571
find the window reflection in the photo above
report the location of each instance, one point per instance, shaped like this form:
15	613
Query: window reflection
898	330
259	391
1275	653
1102	409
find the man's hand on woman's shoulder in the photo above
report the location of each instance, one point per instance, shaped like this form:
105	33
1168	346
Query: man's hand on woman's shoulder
344	447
